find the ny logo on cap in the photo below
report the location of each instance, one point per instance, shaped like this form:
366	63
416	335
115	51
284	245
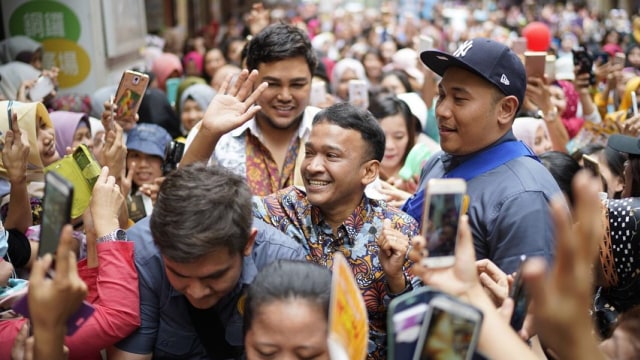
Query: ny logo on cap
462	50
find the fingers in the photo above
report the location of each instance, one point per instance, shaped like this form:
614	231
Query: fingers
40	268
533	272
506	310
15	128
104	174
65	258
418	249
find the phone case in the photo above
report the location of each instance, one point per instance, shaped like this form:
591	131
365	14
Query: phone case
56	212
318	93
404	320
130	92
455	327
534	63
75	321
82	170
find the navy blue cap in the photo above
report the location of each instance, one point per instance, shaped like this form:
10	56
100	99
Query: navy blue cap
487	58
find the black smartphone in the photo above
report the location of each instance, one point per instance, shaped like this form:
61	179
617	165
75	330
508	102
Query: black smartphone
172	156
584	60
520	299
405	316
56	211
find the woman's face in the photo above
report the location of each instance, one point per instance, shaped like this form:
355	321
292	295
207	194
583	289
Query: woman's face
82	136
191	114
397	139
394	84
343	86
558	99
541	142
148	167
634	57
46	143
302	336
372	66
213	61
614	183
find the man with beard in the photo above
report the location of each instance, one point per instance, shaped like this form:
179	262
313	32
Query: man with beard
268	149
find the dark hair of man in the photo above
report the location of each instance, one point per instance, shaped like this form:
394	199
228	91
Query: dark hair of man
200	209
384	106
288	280
280	42
347	116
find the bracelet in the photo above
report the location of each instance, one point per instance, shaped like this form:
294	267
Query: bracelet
407	287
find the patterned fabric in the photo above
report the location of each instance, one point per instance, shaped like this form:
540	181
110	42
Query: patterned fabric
263	175
234	152
290	211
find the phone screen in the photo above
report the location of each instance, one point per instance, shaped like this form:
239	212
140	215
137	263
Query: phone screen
449	336
520	300
442	223
56	212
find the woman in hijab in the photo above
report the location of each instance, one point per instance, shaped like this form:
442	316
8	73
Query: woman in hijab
21	48
166	66
533	132
72	129
193	103
566	99
344	71
12	77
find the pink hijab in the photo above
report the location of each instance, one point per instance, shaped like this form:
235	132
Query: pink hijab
164	65
571	122
65	124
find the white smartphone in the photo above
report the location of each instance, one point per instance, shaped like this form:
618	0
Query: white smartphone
634	103
43	87
450	330
550	66
442	209
426	43
359	93
318	93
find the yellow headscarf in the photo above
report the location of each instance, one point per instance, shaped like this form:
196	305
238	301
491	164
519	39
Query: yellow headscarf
632	86
28	114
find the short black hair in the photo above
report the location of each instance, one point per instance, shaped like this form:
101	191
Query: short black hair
348	116
279	42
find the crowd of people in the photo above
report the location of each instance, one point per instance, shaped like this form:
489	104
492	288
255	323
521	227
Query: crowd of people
287	163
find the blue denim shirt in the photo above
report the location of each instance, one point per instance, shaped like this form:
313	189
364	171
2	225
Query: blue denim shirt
166	329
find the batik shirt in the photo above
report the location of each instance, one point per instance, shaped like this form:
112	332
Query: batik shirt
290	211
242	151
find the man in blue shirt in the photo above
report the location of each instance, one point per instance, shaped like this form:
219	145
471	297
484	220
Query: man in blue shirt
483	86
195	257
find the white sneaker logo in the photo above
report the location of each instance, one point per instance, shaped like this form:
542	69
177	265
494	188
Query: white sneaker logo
462	50
504	80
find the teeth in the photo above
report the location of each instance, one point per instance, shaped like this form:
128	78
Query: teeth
318	183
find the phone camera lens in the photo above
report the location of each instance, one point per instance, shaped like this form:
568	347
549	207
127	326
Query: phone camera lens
136	80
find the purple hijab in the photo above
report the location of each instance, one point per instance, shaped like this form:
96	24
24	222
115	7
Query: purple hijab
65	124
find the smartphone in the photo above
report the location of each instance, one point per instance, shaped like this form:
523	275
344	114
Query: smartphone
130	92
10	114
172	90
550	66
519	45
172	155
520	299
450	330
426	43
75	321
405	316
584	61
634	103
619	59
359	93
592	164
443	206
602	57
318	93
56	211
534	63
43	87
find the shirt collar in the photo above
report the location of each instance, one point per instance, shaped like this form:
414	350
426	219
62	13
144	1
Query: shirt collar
450	161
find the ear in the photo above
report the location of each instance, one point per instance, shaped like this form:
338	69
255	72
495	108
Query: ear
618	184
250	242
370	171
506	109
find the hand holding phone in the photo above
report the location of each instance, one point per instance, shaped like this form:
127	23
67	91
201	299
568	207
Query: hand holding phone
359	93
520	299
41	89
56	212
443	206
130	92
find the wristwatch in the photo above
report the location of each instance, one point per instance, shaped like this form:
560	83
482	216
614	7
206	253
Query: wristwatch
116	235
550	117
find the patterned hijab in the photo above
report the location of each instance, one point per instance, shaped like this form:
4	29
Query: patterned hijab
568	116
